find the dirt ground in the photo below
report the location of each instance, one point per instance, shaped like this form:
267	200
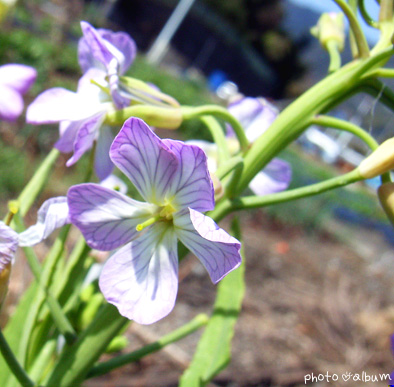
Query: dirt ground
313	305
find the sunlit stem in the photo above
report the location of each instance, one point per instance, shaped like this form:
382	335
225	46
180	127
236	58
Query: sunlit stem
189	112
102	88
119	361
386	10
148	222
359	37
13	363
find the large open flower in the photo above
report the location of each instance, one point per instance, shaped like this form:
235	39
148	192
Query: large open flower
15	80
141	277
103	56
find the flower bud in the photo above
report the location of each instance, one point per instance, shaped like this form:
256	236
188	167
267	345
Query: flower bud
386	198
330	27
159	117
379	161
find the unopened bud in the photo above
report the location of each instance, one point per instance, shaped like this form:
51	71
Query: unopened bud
330	27
159	117
217	186
379	161
386	198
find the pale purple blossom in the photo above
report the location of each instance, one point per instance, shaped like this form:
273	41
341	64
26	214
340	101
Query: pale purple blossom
255	115
141	277
8	245
15	81
103	56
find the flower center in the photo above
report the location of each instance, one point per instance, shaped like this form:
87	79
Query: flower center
165	214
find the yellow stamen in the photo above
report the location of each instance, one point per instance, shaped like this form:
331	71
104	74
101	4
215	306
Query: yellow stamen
147	223
167	211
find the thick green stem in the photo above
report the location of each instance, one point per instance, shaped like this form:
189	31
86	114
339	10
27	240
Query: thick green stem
297	116
189	112
13	363
361	41
172	337
218	137
386	10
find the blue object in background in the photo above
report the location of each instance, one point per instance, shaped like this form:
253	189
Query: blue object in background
215	79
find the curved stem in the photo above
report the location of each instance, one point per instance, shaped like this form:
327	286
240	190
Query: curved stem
218	137
228	166
361	42
189	112
13	363
332	122
365	15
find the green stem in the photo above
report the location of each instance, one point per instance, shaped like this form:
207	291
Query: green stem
225	169
37	182
332	122
365	15
218	137
335	57
76	360
297	116
224	207
231	186
13	363
361	42
189	112
58	316
170	338
386	11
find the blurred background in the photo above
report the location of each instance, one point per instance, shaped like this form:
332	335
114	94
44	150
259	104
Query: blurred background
319	270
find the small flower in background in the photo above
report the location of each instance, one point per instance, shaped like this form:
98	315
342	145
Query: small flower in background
141	278
8	246
15	81
81	114
255	115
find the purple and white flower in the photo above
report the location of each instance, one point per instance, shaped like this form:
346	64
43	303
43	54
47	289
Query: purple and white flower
141	277
8	246
255	115
103	56
15	81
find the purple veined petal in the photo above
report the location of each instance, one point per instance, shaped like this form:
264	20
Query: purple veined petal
86	135
52	214
18	77
218	251
68	133
58	104
106	218
275	177
11	104
144	159
115	183
191	186
103	164
141	278
211	151
8	245
100	49
124	43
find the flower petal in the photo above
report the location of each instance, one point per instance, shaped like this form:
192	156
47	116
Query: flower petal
52	214
58	104
68	133
8	245
191	185
98	47
11	104
275	177
141	278
87	133
106	218
217	250
144	159
18	77
102	163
